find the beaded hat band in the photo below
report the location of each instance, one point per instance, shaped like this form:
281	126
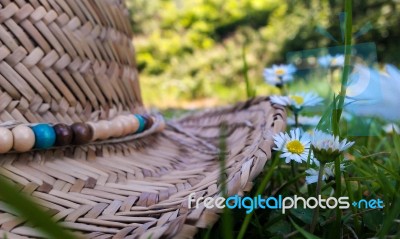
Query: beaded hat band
21	138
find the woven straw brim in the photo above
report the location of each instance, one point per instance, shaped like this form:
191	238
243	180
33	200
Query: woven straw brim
139	189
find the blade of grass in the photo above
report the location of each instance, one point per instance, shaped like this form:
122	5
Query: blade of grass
389	220
303	232
226	220
30	211
347	55
342	95
259	191
250	91
351	197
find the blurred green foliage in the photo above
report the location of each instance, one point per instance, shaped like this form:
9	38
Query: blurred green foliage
190	50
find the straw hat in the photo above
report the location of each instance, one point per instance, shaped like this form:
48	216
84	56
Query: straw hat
83	145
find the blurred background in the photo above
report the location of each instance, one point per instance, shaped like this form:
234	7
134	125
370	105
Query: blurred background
190	53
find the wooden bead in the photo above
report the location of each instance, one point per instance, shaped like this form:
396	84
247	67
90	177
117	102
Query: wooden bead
149	121
142	123
103	129
24	138
126	124
133	120
45	137
64	134
6	140
117	127
93	125
83	133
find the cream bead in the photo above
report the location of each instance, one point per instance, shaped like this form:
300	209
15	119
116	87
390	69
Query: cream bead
132	122
103	129
95	133
129	124
126	125
24	138
135	123
6	140
117	127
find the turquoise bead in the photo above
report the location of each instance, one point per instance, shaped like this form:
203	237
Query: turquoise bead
142	123
45	136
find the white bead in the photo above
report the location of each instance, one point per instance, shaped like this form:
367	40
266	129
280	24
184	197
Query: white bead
126	124
117	127
135	123
103	129
6	140
95	133
24	138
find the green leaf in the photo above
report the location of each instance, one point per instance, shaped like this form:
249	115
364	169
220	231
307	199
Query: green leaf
280	228
303	232
305	215
373	219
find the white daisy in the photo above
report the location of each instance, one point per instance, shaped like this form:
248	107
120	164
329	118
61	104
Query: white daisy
391	128
304	120
337	61
325	146
298	101
329	172
279	74
329	61
294	146
325	61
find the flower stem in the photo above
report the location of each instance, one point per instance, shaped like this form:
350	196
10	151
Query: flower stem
338	194
318	192
331	81
351	197
296	119
294	169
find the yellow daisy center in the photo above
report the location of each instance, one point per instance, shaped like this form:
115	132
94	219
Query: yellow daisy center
298	99
334	61
295	147
279	71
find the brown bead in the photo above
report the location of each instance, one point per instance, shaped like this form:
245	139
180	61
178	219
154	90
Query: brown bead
83	133
64	134
149	121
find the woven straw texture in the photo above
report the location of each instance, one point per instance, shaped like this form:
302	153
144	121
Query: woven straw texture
73	61
66	61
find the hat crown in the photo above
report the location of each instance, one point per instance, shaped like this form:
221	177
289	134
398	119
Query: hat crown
66	61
